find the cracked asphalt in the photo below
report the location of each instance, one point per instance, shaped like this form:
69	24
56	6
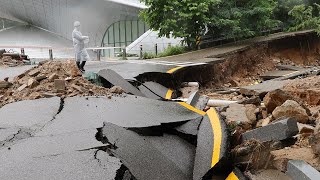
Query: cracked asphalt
26	154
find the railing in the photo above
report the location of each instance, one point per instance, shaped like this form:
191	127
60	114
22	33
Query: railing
48	52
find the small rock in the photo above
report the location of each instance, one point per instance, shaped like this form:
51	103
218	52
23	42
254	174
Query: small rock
53	77
5	84
60	85
264	114
264	122
78	88
22	87
34	73
251	113
48	95
6	79
32	83
275	98
305	129
116	90
254	100
291	109
68	79
236	115
41	77
35	95
314	141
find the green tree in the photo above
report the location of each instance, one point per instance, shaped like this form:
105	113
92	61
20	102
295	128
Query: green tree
228	18
181	18
240	19
305	17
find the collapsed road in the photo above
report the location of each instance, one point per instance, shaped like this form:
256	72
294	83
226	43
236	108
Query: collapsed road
147	125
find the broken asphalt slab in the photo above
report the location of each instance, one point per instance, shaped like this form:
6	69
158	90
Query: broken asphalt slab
90	164
180	152
130	70
144	160
29	113
127	111
263	88
156	91
275	131
298	170
212	145
116	80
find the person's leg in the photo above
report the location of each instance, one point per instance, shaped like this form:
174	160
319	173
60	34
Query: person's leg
83	63
78	59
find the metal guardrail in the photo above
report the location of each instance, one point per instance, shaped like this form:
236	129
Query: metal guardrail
51	50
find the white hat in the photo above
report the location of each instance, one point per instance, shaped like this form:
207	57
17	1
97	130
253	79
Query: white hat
76	24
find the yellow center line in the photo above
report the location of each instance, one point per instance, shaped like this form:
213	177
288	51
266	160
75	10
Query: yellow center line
169	94
174	69
188	106
232	176
217	135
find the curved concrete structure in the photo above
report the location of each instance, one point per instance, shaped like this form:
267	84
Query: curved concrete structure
58	16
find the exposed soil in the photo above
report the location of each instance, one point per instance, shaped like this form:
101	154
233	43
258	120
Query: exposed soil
245	67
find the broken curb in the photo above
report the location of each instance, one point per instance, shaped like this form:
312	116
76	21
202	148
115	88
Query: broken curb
276	131
298	170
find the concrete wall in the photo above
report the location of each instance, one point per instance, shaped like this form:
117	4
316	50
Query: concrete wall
58	16
148	40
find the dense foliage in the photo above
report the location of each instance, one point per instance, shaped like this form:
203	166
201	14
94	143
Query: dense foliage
235	19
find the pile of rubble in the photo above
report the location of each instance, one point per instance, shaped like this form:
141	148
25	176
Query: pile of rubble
9	61
49	79
13	59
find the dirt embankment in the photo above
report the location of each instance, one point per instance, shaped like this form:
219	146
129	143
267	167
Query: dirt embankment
245	67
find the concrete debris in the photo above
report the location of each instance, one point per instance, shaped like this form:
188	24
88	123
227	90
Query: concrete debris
34	72
7	60
275	98
236	115
5	85
32	83
263	88
291	109
307	89
60	85
254	100
117	80
300	170
268	174
117	90
283	156
198	101
40	86
276	131
315	143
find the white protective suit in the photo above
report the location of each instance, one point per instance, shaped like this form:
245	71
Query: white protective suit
79	44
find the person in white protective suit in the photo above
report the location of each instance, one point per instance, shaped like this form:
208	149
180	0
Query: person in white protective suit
79	41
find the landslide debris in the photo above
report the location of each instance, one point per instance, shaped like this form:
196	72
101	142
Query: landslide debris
51	78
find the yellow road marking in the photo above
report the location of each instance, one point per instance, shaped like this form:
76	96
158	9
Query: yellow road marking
174	69
232	176
216	127
188	106
169	94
